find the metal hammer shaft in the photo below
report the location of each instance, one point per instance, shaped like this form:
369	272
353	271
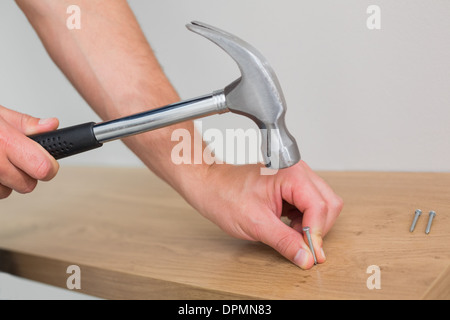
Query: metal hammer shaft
162	117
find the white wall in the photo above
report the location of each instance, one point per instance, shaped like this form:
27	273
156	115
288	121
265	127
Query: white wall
15	288
358	99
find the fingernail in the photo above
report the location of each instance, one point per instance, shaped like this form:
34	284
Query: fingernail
322	253
45	121
301	258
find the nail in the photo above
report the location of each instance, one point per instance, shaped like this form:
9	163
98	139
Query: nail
311	247
301	258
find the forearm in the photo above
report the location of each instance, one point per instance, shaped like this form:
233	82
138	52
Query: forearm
111	64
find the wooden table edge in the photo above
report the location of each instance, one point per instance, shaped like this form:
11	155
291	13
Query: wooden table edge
106	284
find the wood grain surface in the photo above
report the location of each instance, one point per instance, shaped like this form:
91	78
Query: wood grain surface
135	238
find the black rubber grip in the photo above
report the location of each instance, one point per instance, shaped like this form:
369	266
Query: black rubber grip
69	141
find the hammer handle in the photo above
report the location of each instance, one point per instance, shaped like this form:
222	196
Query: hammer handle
69	141
66	142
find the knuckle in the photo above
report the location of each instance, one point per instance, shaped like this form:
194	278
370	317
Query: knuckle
285	244
24	121
338	205
255	231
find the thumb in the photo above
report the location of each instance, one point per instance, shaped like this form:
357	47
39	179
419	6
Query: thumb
26	124
287	241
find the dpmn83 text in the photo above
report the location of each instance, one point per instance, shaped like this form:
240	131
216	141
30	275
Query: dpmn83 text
247	309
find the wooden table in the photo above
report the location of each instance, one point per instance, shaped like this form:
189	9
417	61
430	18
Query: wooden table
135	238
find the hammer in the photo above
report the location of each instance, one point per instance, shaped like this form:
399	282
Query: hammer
256	94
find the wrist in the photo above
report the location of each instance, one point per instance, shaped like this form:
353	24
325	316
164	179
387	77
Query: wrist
157	151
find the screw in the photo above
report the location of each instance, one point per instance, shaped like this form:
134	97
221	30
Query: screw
308	235
416	217
430	220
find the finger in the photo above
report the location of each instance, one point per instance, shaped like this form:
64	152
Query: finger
286	241
5	192
334	205
30	157
314	207
15	179
26	124
334	202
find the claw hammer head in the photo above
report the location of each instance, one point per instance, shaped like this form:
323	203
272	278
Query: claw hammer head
256	94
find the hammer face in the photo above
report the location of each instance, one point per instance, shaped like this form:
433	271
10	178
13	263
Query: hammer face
281	147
